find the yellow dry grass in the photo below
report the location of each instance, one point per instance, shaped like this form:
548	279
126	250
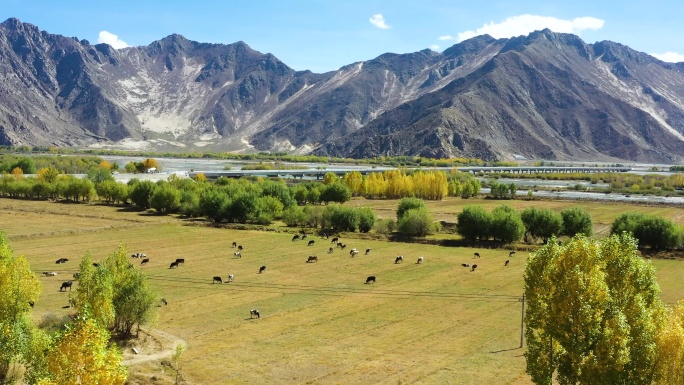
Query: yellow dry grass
433	323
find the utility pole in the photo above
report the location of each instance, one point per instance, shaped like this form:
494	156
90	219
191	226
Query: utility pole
522	321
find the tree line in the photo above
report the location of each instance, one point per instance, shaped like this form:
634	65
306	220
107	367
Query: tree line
504	224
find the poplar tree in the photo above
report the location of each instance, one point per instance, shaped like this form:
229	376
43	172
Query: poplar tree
19	288
593	313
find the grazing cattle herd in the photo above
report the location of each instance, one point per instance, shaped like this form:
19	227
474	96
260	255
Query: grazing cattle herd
254	313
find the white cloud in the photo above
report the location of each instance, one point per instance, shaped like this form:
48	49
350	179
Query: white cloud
446	37
379	21
669	56
434	47
524	24
111	39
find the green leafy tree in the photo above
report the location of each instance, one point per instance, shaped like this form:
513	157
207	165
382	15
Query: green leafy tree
270	205
406	204
506	225
133	298
26	164
94	293
593	313
99	175
241	208
342	218
19	287
626	222
473	223
165	199
278	190
294	216
416	222
576	221
141	192
190	203
212	204
657	233
336	192
367	219
542	223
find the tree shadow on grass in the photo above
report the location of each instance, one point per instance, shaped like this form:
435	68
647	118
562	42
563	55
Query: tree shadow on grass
505	350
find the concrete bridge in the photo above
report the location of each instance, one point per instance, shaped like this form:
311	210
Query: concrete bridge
318	174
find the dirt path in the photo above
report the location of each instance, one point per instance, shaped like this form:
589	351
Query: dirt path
168	341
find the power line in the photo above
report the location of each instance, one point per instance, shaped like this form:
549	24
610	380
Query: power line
282	288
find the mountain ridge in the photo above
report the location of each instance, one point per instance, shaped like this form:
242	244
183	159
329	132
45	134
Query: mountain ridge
545	95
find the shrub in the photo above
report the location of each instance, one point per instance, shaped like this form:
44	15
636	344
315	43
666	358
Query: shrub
473	223
416	222
576	221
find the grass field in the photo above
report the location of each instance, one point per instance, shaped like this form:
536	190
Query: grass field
433	323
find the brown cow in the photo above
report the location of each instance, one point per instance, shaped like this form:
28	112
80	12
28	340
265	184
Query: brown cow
312	258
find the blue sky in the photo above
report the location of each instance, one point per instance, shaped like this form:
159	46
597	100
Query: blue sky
323	35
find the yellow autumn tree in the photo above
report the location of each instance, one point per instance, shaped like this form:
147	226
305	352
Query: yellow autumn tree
671	348
354	180
19	288
200	177
106	164
151	163
594	313
94	293
17	173
83	355
47	174
375	185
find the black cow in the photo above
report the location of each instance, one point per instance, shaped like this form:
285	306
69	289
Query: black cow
254	313
477	255
217	279
507	262
65	285
234	244
465	264
262	269
304	237
164	302
473	268
511	253
95	264
61	260
32	304
173	265
311	243
343	246
295	237
370	279
240	248
335	240
312	258
399	259
144	262
330	250
367	251
180	261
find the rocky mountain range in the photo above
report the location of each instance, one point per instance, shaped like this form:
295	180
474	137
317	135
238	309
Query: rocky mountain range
542	96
